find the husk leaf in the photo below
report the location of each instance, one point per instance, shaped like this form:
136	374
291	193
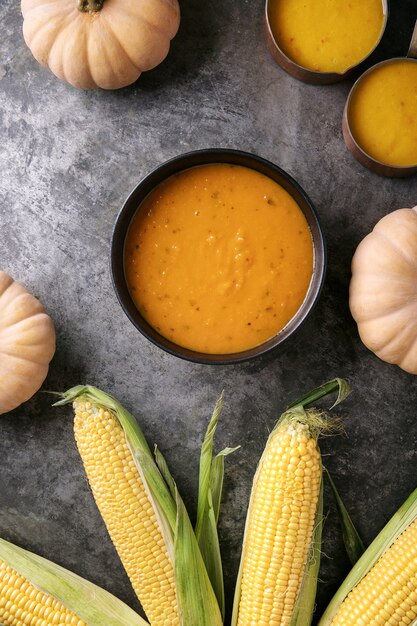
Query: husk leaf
337	384
217	477
194	589
209	497
353	543
398	523
93	605
206	457
164	469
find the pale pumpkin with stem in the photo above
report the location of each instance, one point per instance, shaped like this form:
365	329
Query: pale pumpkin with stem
27	344
100	43
383	289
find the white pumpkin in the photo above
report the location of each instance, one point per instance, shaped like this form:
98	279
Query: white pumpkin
27	344
100	43
383	289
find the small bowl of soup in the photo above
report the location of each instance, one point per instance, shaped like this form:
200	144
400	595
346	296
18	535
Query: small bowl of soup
322	41
218	256
380	118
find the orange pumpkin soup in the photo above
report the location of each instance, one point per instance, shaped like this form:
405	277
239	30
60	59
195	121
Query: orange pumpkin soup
326	35
219	258
383	112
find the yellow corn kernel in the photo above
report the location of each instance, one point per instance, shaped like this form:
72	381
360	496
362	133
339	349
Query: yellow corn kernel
280	527
127	511
21	604
387	595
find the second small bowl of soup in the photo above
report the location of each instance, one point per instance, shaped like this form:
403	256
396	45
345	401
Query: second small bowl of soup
380	118
217	256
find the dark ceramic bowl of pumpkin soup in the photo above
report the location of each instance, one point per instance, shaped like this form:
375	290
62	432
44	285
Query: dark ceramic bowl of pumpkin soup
218	256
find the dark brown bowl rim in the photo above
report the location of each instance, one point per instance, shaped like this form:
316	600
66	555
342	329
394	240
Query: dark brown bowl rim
379	167
303	73
194	159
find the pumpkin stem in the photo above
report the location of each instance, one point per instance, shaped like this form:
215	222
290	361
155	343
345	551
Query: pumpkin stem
88	6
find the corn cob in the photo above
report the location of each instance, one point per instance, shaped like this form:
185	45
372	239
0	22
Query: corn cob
36	592
283	526
381	589
122	500
280	528
21	603
388	593
143	512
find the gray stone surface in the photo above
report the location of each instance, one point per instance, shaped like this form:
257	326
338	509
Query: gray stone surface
68	160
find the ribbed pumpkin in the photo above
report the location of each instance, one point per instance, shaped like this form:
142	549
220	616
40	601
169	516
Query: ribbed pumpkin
383	289
27	344
99	43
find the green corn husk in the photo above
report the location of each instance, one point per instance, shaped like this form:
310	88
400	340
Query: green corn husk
209	496
399	522
336	384
196	599
211	478
353	543
90	603
317	421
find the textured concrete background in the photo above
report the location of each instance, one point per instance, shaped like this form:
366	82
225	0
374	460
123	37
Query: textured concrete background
68	160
